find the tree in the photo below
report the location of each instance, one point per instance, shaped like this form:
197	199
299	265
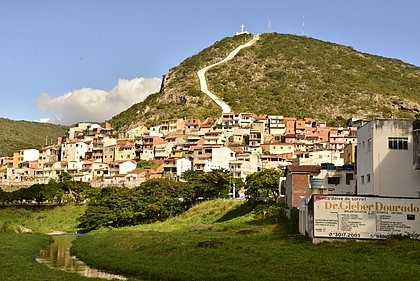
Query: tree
37	192
21	195
54	192
79	192
214	184
194	181
265	182
5	197
217	184
64	177
164	198
113	206
153	200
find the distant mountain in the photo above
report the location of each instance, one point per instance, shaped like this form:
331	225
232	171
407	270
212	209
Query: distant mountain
284	75
16	135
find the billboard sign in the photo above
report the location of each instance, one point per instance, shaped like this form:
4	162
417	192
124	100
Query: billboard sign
364	217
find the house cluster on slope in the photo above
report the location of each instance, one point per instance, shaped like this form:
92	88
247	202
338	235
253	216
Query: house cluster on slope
242	143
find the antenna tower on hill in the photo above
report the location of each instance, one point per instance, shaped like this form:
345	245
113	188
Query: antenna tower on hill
303	26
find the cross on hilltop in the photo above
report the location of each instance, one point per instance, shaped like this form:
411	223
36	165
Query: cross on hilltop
243	31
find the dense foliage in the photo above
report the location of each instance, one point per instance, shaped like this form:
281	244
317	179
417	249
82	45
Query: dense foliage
16	135
153	200
211	185
263	184
285	75
54	193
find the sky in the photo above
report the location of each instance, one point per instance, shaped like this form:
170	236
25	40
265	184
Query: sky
68	61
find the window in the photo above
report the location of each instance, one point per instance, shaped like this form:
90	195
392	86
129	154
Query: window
362	179
349	178
368	178
369	144
397	143
334	180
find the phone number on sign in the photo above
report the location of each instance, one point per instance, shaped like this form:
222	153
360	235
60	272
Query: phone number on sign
344	235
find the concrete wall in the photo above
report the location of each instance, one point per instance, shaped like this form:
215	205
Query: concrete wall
383	171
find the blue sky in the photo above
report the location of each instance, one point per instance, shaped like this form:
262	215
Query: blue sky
68	59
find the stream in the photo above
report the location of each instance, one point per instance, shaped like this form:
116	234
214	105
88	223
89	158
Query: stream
57	255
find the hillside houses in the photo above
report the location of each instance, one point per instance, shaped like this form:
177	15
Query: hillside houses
240	142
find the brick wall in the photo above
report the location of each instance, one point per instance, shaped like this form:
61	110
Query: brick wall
300	184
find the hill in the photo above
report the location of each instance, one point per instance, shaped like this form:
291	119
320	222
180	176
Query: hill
284	75
16	135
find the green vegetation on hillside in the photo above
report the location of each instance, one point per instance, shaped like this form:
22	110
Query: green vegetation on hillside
181	97
16	135
285	75
300	76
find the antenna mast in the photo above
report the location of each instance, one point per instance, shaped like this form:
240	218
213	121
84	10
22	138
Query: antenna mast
303	26
270	29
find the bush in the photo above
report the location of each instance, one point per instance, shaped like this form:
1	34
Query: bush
269	212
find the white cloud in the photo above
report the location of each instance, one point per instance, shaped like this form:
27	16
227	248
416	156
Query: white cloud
89	104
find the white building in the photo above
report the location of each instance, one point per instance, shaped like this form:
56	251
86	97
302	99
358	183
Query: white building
220	157
386	159
74	151
244	165
276	125
24	155
182	165
319	157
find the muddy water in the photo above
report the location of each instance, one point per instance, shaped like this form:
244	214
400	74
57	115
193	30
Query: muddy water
57	255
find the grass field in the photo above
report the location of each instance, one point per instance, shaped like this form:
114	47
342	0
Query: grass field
43	219
17	259
215	240
221	240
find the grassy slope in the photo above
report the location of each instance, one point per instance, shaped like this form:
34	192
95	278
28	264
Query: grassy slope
16	135
285	75
17	259
18	251
299	76
40	219
248	250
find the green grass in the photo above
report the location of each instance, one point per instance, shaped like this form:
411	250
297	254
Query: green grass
42	219
221	240
17	259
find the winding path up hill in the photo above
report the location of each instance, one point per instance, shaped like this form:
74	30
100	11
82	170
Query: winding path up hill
202	74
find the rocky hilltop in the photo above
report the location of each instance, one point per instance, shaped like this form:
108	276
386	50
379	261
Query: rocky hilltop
284	75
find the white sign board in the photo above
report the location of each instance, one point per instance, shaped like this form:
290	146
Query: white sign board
364	217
